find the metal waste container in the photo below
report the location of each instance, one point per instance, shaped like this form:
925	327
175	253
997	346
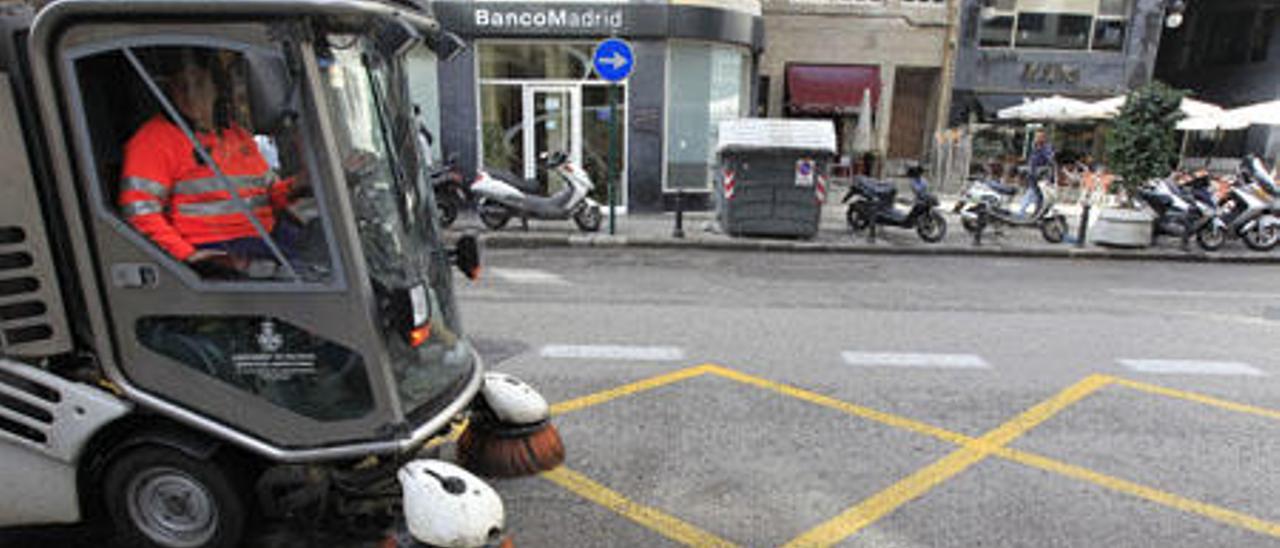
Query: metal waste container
772	179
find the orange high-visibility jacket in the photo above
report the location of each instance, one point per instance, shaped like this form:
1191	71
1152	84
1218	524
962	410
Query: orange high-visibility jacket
167	192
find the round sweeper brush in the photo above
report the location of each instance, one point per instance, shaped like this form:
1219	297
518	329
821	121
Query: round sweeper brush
510	432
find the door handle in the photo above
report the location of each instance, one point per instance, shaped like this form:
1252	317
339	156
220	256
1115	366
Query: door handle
135	275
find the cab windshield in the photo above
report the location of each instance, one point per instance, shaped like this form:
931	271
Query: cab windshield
377	137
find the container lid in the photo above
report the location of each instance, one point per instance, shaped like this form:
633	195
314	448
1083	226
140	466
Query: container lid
777	134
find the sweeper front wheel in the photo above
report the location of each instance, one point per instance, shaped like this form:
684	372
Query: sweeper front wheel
159	497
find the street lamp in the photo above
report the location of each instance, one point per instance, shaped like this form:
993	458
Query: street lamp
1173	10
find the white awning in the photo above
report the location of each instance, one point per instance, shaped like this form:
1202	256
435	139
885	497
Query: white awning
1050	109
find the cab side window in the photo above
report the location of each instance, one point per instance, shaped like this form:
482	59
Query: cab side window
198	151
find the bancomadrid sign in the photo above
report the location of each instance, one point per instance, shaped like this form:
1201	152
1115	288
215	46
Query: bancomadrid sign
549	19
633	19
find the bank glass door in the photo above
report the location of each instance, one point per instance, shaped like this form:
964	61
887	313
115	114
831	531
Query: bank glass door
552	123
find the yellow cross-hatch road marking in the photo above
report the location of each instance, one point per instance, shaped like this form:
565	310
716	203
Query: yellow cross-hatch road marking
1199	398
827	401
868	511
627	389
650	517
971	451
1171	500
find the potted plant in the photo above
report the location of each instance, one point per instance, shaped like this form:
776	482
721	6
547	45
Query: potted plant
1142	145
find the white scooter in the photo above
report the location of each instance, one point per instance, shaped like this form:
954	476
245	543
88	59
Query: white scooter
499	198
1251	210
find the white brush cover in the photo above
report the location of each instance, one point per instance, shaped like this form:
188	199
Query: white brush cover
451	520
513	400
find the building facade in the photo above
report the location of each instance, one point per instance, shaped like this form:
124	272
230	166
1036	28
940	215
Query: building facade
1227	52
1011	50
824	55
525	86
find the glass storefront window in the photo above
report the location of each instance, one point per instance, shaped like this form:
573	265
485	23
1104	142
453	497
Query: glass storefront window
707	83
1053	30
1100	25
996	32
560	61
1108	35
595	136
502	127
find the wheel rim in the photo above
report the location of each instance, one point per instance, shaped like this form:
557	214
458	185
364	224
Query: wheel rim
856	220
1213	237
1262	237
171	508
931	229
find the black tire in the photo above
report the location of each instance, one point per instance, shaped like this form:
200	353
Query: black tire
932	227
970	224
448	207
494	216
588	218
202	507
1259	239
1211	237
1054	229
856	219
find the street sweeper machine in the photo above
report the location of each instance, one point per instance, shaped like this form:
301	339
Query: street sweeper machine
224	296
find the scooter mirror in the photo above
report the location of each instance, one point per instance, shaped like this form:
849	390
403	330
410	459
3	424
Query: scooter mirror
466	254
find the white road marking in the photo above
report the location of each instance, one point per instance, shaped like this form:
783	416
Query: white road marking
613	352
1180	294
889	359
1191	367
527	276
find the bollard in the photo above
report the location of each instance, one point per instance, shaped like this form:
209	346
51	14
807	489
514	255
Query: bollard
679	230
1084	226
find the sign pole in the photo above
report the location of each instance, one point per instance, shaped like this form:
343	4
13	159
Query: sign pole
613	158
613	61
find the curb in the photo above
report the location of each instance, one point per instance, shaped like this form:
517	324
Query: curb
526	241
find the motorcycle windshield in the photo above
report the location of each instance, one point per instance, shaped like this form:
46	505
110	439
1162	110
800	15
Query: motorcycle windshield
1263	177
394	207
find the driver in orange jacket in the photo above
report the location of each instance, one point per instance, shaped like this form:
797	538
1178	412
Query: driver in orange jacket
169	193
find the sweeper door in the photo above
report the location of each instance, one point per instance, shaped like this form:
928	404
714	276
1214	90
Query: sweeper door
223	235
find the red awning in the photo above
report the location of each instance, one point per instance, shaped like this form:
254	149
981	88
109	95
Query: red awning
830	89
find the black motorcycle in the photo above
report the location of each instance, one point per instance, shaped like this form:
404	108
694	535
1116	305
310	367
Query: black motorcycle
1184	210
451	193
873	205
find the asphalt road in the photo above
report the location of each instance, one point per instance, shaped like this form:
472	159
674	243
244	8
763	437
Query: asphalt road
891	401
717	398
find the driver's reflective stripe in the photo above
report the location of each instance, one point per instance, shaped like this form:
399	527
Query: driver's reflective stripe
215	184
144	207
145	185
222	207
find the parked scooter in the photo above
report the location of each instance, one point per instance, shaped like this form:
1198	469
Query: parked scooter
1251	210
986	188
874	206
1184	210
451	192
500	196
985	205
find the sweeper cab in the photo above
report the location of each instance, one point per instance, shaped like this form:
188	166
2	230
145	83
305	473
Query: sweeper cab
179	401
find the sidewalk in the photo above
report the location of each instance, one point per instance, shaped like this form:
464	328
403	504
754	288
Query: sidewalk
654	231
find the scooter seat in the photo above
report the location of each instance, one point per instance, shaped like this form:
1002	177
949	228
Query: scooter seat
876	189
528	186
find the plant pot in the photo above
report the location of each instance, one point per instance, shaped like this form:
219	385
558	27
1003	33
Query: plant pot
1121	227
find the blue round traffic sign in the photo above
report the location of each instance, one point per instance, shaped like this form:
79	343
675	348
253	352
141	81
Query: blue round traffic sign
613	59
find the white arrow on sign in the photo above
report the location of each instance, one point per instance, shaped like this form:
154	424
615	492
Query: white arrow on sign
617	60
